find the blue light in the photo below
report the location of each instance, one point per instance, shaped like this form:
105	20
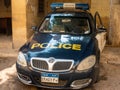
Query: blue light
55	6
81	6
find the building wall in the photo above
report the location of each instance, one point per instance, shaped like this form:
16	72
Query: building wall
32	16
5	18
4	11
103	7
24	16
19	22
114	34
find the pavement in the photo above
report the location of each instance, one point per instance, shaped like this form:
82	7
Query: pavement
112	54
8	53
6	49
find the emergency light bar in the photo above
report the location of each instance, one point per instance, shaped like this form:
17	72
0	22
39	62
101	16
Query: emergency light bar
82	6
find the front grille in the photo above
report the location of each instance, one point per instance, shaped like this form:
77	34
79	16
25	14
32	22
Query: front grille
58	65
62	65
39	64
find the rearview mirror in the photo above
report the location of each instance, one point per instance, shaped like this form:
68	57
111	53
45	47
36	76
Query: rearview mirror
102	29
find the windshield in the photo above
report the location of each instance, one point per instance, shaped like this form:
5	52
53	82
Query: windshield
65	24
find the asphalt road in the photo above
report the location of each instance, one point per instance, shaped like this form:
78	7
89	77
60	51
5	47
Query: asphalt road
109	75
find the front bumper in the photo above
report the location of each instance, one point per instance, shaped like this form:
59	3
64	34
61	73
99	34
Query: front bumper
67	80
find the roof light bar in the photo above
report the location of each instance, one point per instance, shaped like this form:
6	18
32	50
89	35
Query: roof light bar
82	6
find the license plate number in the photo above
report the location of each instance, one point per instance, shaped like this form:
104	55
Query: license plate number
49	78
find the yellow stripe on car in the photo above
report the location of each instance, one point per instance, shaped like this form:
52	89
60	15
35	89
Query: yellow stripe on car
59	45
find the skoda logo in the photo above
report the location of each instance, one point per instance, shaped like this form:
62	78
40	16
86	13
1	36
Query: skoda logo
51	60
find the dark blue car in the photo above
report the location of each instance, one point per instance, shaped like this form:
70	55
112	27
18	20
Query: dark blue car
64	52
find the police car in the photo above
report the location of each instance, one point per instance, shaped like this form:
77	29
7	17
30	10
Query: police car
64	52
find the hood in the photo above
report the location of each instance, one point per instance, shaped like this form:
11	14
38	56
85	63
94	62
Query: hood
59	46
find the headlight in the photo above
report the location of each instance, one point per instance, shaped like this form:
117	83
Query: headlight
21	59
87	63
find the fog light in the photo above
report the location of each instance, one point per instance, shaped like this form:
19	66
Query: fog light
25	79
81	83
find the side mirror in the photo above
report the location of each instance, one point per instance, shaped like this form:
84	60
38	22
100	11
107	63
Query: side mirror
34	28
102	29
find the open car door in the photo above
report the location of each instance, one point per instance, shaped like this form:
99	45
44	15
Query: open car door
101	32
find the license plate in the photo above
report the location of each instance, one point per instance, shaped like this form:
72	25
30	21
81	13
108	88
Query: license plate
49	78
